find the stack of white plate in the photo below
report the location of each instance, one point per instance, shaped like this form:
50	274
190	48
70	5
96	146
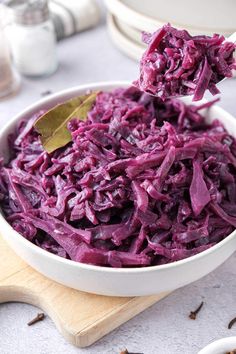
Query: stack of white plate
128	18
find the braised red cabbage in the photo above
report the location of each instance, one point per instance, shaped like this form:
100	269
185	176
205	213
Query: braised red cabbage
143	182
176	63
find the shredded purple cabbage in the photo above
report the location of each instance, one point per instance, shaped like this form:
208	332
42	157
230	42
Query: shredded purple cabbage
144	182
176	63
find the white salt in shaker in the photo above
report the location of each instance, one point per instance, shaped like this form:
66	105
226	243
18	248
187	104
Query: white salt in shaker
32	38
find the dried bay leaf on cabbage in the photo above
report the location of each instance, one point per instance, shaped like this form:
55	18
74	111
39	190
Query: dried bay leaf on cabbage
52	126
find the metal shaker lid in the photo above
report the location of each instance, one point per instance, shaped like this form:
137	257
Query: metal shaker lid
29	12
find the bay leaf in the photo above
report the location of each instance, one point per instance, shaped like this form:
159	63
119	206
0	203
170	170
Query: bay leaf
52	126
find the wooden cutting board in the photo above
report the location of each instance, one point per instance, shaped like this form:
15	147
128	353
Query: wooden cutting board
82	318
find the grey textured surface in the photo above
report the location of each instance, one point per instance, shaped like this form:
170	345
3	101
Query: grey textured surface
164	328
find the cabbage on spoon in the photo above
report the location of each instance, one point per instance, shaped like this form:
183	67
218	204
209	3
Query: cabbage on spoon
178	64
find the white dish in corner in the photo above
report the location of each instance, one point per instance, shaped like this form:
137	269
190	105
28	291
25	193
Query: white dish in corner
104	280
220	346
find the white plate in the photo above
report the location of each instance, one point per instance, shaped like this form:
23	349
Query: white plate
132	33
220	346
125	44
200	16
104	280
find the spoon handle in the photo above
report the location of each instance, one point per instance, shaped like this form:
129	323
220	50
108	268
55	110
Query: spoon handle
232	38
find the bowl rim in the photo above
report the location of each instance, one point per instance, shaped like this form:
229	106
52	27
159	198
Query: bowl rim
72	91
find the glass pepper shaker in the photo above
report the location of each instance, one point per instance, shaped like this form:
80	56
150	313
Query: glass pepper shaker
32	38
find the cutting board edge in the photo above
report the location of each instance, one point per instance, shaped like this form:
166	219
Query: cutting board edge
127	311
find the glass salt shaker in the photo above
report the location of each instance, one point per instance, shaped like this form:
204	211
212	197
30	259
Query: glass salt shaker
32	38
9	80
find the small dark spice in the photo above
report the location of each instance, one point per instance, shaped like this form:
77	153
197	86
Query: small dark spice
231	323
46	93
193	314
39	317
231	352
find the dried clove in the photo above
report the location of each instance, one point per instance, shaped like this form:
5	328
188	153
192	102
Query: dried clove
46	93
231	323
39	317
193	314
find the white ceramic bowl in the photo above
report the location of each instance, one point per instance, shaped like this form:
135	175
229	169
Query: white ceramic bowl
220	346
200	16
110	281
